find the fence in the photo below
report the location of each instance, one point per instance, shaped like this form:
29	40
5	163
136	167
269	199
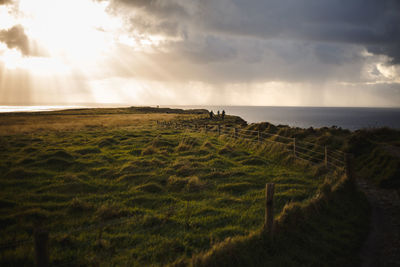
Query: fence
42	245
303	150
310	152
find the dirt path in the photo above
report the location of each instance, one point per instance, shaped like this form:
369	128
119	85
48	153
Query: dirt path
382	247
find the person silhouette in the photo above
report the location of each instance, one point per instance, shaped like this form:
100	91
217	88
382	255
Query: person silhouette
223	114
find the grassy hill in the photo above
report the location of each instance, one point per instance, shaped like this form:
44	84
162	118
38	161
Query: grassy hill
113	188
376	151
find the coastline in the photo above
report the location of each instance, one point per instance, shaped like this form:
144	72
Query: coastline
351	118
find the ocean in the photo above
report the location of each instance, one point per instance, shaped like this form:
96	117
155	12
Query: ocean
345	117
317	117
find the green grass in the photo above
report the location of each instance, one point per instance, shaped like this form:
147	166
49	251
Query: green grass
182	193
376	151
113	191
325	231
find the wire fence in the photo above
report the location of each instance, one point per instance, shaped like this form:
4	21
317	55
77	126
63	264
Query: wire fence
307	151
303	150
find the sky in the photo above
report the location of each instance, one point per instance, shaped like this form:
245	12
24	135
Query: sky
200	52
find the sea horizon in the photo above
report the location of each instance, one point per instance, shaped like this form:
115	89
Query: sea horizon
351	118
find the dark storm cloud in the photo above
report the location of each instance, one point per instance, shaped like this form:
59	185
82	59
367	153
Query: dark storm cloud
374	24
159	7
336	54
371	23
391	50
143	25
210	49
356	21
153	16
15	37
221	60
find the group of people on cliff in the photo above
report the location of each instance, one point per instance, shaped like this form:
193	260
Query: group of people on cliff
218	116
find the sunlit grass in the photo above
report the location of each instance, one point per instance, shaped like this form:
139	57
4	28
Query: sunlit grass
182	192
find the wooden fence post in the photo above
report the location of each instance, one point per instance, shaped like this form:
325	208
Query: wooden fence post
219	130
294	146
348	166
326	157
41	247
269	208
258	136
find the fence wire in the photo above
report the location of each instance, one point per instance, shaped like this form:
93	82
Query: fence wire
311	152
331	158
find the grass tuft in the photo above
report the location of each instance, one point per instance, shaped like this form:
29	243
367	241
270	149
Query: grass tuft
149	150
235	188
150	188
80	205
111	210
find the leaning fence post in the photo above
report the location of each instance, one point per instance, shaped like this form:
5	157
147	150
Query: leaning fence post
294	146
326	157
269	208
41	247
348	166
219	130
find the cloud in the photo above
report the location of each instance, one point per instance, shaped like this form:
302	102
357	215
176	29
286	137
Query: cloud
156	7
391	50
5	2
264	52
372	24
154	16
220	60
15	37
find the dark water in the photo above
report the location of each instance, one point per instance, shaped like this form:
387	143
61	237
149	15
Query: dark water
348	118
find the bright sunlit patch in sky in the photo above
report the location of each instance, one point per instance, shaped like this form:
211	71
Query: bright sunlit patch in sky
41	66
76	29
189	52
74	32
